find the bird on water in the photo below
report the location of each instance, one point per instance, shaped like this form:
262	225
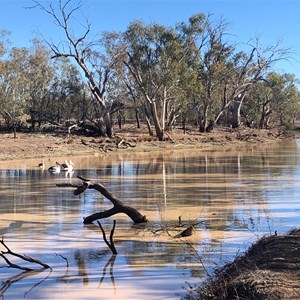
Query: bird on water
67	166
41	165
56	168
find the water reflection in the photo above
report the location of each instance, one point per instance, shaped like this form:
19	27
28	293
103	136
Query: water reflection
236	197
11	281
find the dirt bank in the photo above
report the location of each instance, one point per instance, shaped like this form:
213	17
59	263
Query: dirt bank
40	145
269	270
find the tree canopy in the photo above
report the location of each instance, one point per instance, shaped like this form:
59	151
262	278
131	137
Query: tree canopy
189	73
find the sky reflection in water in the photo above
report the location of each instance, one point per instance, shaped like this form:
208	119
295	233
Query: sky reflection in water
236	197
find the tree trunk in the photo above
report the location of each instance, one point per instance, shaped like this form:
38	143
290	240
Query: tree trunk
108	125
203	118
203	122
184	124
148	121
119	120
263	123
15	130
138	125
103	125
149	126
236	110
158	128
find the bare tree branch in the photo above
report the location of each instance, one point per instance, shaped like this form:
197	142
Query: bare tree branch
118	205
110	244
23	257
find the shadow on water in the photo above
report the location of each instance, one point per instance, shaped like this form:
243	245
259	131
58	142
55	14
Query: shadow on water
236	197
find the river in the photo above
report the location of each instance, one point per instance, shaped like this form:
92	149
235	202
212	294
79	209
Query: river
234	198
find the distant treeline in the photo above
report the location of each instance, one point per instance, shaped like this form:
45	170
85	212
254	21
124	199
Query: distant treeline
190	73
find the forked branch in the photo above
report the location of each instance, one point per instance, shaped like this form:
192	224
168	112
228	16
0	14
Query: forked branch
118	205
110	244
23	257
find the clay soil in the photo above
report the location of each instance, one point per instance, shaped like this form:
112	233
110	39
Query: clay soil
269	270
127	139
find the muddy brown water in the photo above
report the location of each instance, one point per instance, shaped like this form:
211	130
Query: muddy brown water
235	196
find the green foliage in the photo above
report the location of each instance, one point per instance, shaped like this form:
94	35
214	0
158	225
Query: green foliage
190	72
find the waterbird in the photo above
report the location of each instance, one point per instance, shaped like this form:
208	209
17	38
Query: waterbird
56	168
187	232
67	166
41	165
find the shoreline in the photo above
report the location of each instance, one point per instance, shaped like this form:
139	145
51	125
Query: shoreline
49	146
249	274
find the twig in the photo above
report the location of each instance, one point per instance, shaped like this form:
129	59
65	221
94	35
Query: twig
67	261
24	257
111	243
14	265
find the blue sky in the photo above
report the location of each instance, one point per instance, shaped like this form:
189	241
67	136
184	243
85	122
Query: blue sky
271	19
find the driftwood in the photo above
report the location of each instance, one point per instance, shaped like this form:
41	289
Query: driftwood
110	244
114	144
4	254
118	205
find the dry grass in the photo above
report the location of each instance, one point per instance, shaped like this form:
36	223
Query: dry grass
270	269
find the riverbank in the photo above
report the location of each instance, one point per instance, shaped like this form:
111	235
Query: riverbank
269	270
129	139
255	277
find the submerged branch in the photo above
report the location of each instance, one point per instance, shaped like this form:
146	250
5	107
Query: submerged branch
23	257
110	244
118	205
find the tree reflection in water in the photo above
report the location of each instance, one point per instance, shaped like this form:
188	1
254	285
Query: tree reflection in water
14	279
110	263
236	195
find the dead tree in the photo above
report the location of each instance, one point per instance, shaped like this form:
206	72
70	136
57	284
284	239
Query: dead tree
118	205
97	65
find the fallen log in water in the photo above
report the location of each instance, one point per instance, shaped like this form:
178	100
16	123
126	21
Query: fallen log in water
118	205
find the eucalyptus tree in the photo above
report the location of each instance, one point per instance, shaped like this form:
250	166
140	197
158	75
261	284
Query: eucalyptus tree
154	58
94	57
210	54
68	89
249	69
5	42
285	103
40	74
225	76
273	101
4	48
136	107
14	87
23	80
256	111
